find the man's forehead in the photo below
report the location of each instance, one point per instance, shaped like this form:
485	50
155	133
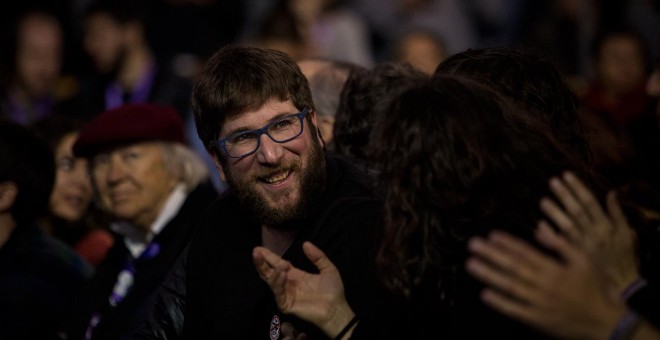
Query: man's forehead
254	119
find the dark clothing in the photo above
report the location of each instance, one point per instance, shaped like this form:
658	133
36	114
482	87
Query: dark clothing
646	302
120	322
426	318
224	295
39	279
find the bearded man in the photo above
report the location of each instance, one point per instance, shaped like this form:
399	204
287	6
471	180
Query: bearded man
254	112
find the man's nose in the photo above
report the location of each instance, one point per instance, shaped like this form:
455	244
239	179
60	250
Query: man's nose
269	151
116	169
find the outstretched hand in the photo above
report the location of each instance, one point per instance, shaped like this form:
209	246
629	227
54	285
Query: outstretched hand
567	299
606	237
316	298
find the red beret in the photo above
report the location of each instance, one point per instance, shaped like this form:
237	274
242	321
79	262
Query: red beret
129	123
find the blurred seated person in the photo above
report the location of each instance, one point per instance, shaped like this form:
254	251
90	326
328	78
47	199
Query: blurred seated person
155	188
326	80
422	49
34	60
126	69
39	276
614	100
72	217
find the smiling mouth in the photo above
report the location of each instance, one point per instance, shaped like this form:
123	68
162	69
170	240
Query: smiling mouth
276	178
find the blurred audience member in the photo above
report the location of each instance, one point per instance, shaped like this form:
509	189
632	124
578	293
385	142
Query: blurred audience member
155	188
326	80
127	70
72	217
39	276
420	48
614	100
34	60
332	30
278	31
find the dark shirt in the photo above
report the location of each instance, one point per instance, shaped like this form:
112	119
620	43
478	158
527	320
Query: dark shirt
39	279
224	297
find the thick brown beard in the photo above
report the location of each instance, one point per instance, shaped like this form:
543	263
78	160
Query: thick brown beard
312	185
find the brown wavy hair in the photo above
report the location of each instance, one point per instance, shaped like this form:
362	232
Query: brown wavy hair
457	160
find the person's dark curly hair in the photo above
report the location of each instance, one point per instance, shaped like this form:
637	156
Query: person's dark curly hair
531	81
459	160
364	98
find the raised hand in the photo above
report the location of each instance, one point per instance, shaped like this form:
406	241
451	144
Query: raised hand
567	299
606	237
317	298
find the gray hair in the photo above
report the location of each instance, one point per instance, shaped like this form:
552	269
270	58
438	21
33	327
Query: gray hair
184	164
326	86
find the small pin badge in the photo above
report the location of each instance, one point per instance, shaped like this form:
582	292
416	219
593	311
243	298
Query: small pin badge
275	327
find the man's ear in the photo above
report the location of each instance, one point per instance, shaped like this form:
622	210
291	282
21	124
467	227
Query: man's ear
218	165
8	193
315	124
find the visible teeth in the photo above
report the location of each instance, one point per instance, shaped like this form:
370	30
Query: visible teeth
276	179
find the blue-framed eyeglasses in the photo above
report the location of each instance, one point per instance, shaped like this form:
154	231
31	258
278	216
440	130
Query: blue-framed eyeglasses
245	143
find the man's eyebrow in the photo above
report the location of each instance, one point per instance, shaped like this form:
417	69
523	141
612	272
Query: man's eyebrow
245	128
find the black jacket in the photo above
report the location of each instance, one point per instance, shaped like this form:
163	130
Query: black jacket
121	321
39	279
215	291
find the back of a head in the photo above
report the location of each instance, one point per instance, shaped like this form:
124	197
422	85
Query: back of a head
531	81
237	79
459	160
365	97
29	163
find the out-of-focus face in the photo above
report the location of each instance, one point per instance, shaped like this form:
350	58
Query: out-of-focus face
133	182
422	52
310	67
621	66
39	54
104	42
72	192
279	178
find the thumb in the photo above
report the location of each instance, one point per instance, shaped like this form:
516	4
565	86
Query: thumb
317	256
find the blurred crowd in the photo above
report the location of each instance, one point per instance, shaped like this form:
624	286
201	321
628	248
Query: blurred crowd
109	163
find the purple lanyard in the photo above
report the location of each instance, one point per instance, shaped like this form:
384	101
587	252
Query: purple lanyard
123	285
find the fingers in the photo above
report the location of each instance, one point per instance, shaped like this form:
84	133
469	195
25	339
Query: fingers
500	266
268	263
569	201
584	196
553	241
509	306
560	218
615	211
580	212
317	256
